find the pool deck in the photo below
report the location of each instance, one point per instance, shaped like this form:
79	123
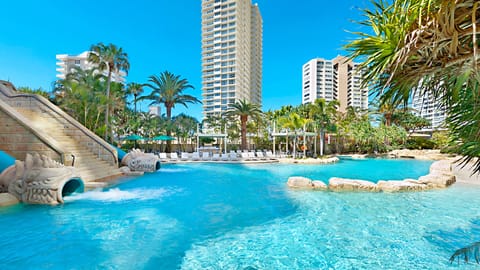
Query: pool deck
328	160
221	161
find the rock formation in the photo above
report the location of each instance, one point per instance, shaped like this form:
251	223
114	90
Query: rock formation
401	185
137	160
440	176
298	182
40	180
342	184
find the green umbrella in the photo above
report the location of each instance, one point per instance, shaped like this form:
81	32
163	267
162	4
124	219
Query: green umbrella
163	138
133	137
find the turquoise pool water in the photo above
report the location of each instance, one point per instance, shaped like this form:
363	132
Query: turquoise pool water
214	216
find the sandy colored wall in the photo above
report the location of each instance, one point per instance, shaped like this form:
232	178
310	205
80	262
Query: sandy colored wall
17	141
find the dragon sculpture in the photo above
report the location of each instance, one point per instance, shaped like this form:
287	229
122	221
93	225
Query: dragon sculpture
40	180
136	160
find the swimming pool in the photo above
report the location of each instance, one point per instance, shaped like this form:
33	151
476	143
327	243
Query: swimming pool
219	216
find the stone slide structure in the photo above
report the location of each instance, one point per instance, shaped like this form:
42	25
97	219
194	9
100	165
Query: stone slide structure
31	123
138	161
440	176
40	180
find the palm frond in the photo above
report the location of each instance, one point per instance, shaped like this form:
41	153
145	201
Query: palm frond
467	253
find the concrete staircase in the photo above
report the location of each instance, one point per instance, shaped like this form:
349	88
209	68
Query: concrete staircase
54	130
86	164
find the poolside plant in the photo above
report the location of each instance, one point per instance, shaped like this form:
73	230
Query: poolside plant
244	109
427	47
295	123
167	89
111	59
323	115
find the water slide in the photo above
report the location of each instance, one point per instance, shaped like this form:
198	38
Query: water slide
5	161
121	154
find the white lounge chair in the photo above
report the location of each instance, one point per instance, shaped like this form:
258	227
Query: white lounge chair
163	157
233	156
185	156
173	156
251	155
206	156
195	156
269	155
260	155
244	156
225	157
216	157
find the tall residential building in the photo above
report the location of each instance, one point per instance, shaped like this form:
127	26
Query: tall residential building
424	105
155	110
336	79
67	63
231	54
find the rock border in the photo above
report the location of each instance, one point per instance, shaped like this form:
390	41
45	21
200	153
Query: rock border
440	176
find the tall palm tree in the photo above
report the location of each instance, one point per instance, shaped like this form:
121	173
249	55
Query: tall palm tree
135	89
112	59
293	122
323	114
244	109
167	89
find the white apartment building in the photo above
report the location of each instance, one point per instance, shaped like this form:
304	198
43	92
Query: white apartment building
231	54
336	79
67	63
425	106
155	110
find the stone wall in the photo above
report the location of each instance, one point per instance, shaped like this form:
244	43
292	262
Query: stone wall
70	126
17	140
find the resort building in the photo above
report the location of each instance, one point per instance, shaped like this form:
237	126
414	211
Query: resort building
67	63
155	110
336	79
425	106
231	54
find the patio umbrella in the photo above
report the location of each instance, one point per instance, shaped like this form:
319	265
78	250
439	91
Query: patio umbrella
163	138
133	137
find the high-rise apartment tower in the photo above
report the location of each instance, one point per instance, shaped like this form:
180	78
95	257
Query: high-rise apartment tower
336	79
231	54
424	105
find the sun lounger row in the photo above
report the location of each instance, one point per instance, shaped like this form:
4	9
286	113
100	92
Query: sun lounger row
206	156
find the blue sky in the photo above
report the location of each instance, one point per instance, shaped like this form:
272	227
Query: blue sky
161	35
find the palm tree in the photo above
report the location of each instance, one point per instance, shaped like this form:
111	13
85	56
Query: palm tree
113	60
81	94
167	89
244	109
293	122
135	89
428	47
185	127
322	113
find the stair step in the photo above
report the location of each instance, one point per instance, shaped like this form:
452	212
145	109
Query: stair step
88	165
